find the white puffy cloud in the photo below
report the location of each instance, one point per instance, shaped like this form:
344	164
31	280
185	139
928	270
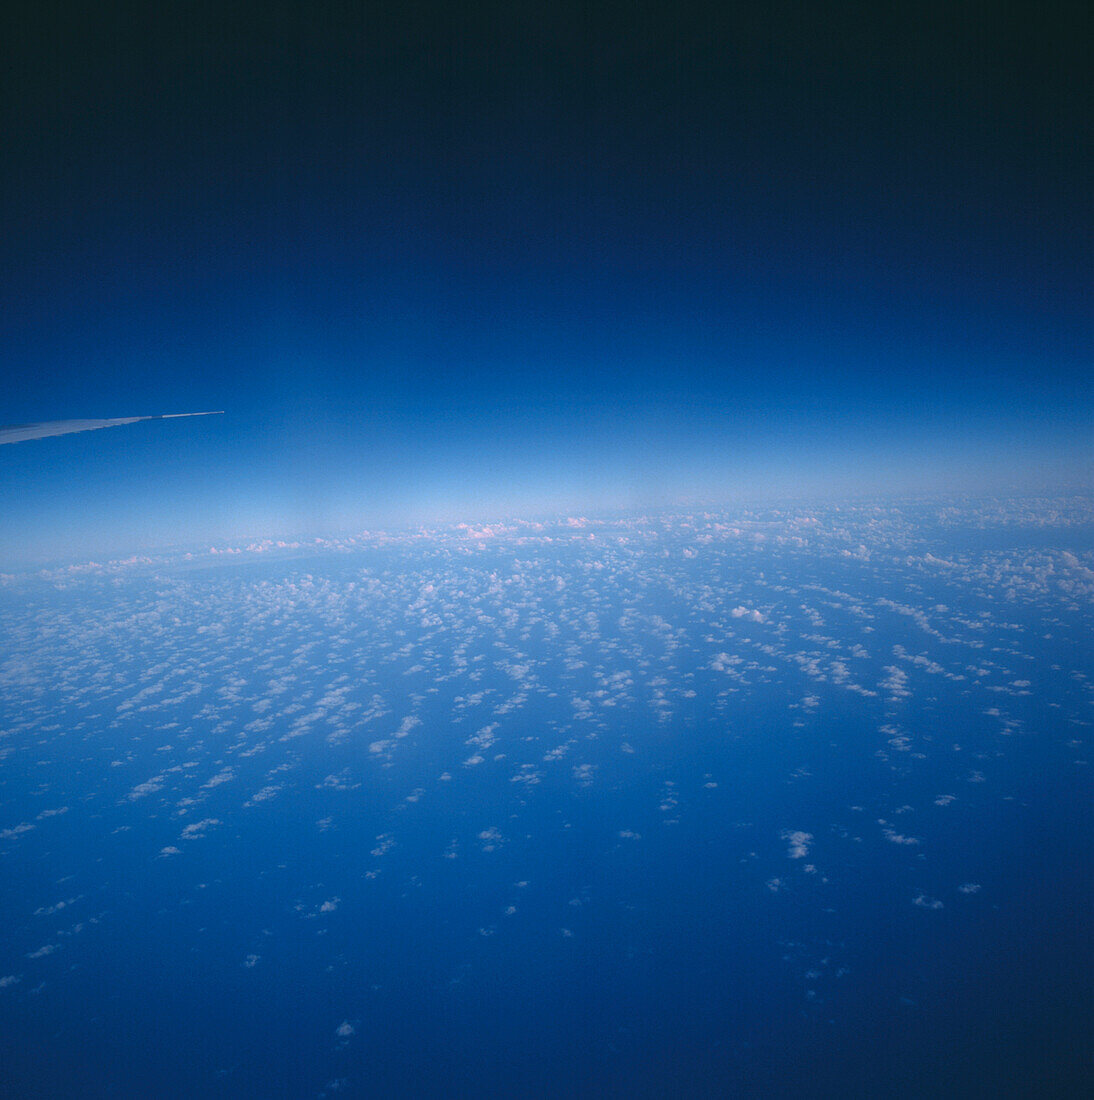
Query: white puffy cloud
798	843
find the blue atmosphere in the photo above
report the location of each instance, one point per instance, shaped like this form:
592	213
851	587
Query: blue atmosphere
627	631
449	264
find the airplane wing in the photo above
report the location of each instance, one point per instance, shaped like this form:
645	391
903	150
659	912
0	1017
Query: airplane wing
17	433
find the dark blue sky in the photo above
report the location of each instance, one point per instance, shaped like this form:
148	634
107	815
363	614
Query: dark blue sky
453	260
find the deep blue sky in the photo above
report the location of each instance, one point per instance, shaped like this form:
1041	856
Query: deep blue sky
456	260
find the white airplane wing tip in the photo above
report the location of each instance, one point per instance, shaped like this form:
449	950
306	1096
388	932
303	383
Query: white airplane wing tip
18	433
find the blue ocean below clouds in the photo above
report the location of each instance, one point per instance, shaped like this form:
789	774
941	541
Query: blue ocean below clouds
784	802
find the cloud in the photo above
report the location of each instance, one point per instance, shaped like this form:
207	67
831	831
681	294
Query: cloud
896	683
484	738
410	722
197	829
339	782
797	843
49	910
583	774
749	613
384	843
149	787
264	795
925	902
896	838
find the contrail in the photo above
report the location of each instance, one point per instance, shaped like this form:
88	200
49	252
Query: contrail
16	433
